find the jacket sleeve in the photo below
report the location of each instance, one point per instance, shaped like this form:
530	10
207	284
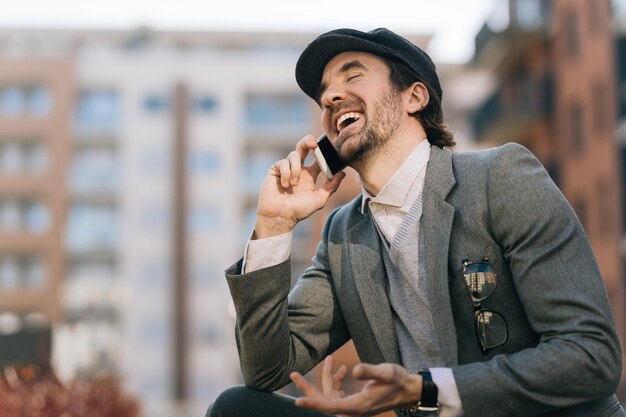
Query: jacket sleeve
578	357
278	331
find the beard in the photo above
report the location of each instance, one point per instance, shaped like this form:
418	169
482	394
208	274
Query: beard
381	123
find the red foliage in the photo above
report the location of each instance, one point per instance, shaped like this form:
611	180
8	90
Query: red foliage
34	391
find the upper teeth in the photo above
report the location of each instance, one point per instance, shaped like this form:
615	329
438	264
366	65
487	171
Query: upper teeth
343	117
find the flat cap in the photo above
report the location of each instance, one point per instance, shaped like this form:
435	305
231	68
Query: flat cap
381	42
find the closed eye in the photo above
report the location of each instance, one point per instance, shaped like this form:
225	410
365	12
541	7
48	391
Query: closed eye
352	77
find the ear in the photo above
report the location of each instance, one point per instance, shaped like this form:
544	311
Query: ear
418	97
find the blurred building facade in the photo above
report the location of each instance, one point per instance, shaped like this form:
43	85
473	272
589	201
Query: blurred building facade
124	155
555	66
34	149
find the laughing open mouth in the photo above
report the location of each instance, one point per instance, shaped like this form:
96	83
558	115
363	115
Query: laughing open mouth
347	119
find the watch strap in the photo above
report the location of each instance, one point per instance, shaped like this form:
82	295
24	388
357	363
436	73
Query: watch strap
430	392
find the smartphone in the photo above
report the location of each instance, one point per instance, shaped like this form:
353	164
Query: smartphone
327	157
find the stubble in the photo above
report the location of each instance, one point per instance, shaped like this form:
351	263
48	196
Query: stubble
381	124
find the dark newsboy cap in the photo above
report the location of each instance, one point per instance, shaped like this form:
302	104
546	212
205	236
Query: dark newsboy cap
381	42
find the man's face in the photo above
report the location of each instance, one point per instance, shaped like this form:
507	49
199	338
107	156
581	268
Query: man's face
361	110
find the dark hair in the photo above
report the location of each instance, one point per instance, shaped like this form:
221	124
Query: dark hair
431	116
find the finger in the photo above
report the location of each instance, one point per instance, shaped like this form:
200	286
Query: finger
367	371
304	145
383	372
285	172
295	165
304	385
352	404
328	382
329	187
341	373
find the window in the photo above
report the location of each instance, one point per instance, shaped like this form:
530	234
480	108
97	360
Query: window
204	104
601	108
203	220
36	217
12	102
156	104
572	34
10	216
11	158
21	271
34	157
576	132
9	272
94	170
92	227
257	164
91	268
597	11
205	274
204	162
40	102
272	111
97	111
606	207
529	13
26	215
22	157
34	274
20	100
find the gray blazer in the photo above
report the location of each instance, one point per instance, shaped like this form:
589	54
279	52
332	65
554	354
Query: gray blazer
562	356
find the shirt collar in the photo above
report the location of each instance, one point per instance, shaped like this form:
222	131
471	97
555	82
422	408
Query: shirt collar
395	191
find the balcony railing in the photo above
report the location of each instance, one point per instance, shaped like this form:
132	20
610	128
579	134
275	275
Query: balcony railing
510	21
514	105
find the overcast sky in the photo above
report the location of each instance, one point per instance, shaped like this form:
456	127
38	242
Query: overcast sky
453	23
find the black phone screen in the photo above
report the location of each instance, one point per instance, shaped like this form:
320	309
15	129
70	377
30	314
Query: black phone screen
335	164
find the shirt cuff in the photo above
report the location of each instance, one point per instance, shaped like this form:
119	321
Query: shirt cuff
448	397
263	253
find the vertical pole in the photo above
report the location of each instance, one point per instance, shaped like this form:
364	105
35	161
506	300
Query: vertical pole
179	241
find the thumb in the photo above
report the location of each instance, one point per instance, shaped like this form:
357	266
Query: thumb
383	372
329	187
364	371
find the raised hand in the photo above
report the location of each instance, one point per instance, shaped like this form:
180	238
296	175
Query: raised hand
288	194
388	387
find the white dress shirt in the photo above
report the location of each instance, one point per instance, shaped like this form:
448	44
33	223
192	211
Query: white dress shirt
388	210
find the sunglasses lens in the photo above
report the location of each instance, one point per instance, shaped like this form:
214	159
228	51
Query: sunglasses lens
491	328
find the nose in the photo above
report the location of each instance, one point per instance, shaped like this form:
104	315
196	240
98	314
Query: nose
332	95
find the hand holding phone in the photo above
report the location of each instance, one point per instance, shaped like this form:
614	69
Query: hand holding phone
327	157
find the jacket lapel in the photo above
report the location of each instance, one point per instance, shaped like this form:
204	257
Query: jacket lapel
436	224
369	277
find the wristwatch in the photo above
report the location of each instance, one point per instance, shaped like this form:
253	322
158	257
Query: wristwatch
428	402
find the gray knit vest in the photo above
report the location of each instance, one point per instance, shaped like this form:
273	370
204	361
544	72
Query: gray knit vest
408	293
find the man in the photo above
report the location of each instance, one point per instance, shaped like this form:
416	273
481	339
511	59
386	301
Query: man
465	280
